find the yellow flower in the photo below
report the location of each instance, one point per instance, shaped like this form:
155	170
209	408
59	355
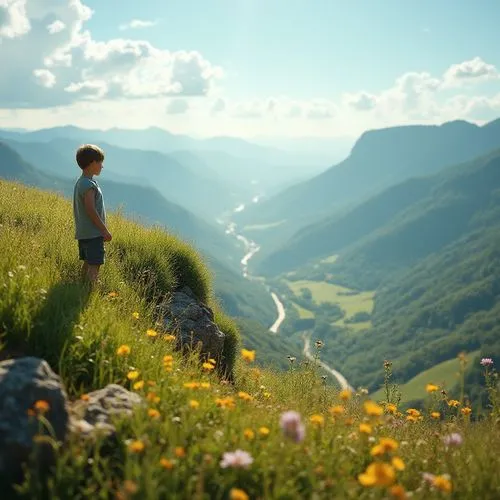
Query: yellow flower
365	428
385	445
208	366
84	397
267	395
237	494
152	397
442	483
466	411
191	385
138	385
153	413
194	404
245	396
431	388
453	403
168	358
112	295
180	452
345	395
132	375
227	403
317	420
151	333
435	414
249	434
123	350
135	315
205	385
136	446
398	463
378	474
373	409
337	410
248	356
42	406
398	492
391	408
167	464
413	415
264	431
169	337
212	360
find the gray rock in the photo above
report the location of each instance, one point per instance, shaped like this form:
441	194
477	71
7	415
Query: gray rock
193	323
23	382
97	412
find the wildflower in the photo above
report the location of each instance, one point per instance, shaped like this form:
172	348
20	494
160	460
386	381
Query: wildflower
112	295
153	413
413	415
249	434
208	366
486	362
205	385
337	410
245	396
136	446
152	397
391	408
151	333
132	375
319	344
248	356
345	394
453	403
167	464
135	315
466	411
398	463
292	359
267	395
237	494
442	483
385	445
191	385
85	397
130	486
373	409
292	426
226	403
317	420
138	385
42	406
453	439
365	428
435	414
378	474
180	452
123	350
193	404
236	459
431	388
264	431
169	337
398	492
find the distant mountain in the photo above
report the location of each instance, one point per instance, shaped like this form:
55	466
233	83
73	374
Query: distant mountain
379	159
193	185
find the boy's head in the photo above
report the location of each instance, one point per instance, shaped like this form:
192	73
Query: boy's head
89	158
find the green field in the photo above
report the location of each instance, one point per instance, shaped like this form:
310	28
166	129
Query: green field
327	292
443	374
303	313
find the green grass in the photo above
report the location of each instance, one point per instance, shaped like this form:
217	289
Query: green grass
328	292
445	374
303	313
44	311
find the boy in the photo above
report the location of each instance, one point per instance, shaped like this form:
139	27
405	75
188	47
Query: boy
89	212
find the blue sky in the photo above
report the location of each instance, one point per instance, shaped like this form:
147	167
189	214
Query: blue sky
291	68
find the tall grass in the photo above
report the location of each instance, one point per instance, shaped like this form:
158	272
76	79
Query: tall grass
174	444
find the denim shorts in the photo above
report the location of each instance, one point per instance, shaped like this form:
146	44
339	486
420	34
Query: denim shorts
92	251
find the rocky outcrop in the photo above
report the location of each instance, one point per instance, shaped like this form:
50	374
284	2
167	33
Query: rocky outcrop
193	323
33	402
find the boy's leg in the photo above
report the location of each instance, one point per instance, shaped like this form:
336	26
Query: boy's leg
92	273
95	258
84	272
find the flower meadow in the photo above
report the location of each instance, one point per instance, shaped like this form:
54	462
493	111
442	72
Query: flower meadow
260	434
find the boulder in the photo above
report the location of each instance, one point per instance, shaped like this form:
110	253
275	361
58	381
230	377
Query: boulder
29	389
193	323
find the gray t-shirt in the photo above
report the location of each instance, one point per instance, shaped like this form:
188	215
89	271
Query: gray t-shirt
84	227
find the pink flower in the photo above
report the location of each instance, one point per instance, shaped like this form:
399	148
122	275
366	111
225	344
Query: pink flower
292	426
453	439
237	459
486	362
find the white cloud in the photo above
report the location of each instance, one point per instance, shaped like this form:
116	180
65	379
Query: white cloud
470	71
177	107
218	106
49	36
137	24
361	101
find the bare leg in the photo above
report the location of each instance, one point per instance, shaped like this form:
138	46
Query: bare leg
84	272
92	272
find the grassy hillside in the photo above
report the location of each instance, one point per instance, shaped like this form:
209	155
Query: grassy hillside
378	160
179	443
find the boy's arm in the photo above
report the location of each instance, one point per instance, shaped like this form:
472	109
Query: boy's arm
89	203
